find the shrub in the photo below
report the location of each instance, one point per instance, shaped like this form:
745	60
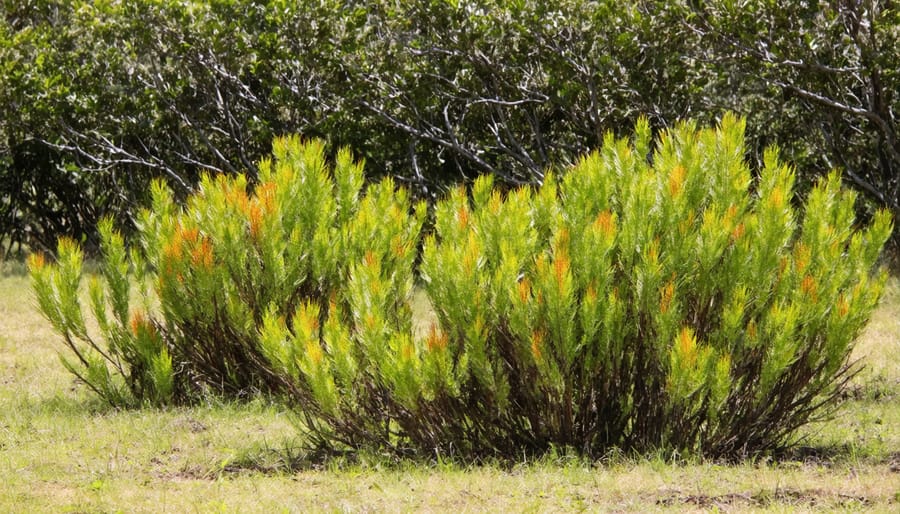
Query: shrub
210	273
643	299
98	98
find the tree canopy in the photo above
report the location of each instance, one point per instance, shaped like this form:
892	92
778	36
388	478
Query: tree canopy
97	98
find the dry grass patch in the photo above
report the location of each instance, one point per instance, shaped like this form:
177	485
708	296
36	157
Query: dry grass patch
62	451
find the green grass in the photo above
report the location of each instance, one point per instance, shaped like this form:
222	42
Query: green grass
62	451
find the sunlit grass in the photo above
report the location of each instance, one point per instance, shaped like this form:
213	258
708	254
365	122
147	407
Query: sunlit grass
61	450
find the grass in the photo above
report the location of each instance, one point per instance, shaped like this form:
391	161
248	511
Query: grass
61	451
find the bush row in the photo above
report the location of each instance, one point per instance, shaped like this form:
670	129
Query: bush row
97	99
654	295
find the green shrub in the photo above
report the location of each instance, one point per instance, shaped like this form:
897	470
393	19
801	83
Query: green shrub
98	98
676	303
210	272
653	296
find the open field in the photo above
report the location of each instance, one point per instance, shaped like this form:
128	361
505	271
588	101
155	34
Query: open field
61	451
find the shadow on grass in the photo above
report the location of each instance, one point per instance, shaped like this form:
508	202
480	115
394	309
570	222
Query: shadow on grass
61	404
296	458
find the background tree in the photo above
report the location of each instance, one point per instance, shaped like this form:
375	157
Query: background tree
98	98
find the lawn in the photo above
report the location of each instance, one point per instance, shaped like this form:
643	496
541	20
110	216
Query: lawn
61	451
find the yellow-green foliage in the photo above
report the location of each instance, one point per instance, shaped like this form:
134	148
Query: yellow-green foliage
641	299
221	266
655	295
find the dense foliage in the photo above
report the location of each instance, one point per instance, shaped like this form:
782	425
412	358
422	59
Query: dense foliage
673	304
207	275
654	295
99	98
670	302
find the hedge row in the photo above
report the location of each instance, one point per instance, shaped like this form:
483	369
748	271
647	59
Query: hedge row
97	99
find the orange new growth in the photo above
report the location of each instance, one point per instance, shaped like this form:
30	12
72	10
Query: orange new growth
37	261
560	268
309	321
314	351
738	232
139	324
665	296
239	199
462	216
731	213
437	340
173	248
687	346
590	294
398	247
255	218
810	288
190	235
202	254
524	287
802	256
407	351
676	180
265	195
370	259
843	307
537	340
606	223
776	197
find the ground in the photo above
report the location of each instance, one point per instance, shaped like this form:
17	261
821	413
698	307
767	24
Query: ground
61	451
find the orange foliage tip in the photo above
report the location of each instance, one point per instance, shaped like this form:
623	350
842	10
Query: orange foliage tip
537	341
731	213
407	351
665	296
776	198
202	254
738	232
190	235
676	180
687	345
265	195
37	261
605	223
437	340
239	199
314	352
590	294
524	287
843	307
398	247
560	268
172	251
802	256
810	288
255	218
462	217
370	259
308	322
140	323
